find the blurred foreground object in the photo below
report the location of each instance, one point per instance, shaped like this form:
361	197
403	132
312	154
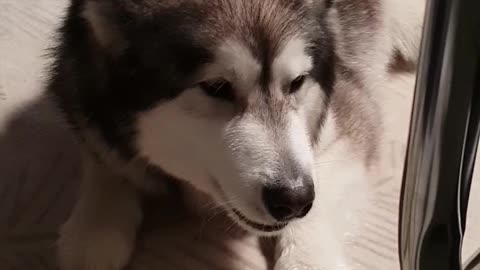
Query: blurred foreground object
443	140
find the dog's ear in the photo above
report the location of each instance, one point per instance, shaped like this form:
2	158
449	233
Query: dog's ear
102	19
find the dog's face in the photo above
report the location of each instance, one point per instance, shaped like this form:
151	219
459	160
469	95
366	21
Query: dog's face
237	91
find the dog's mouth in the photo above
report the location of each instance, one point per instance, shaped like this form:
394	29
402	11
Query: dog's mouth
241	218
257	226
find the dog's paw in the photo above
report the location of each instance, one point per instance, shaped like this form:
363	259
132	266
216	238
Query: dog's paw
299	266
292	264
108	250
288	263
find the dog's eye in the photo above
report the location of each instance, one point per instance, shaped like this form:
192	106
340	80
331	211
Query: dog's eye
221	89
297	83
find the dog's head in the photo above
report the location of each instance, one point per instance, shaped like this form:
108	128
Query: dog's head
228	95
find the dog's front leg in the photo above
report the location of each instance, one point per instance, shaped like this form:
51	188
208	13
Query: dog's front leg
310	245
100	233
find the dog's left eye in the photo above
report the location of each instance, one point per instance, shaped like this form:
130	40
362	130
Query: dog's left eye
297	83
220	89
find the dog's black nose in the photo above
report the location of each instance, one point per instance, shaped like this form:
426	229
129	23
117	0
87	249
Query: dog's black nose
287	203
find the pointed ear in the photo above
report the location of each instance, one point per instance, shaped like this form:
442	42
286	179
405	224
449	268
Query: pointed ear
100	15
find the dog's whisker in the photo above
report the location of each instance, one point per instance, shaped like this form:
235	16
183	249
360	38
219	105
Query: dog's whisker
218	209
232	225
329	162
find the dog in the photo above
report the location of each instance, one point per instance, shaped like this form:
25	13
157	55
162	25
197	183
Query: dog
264	106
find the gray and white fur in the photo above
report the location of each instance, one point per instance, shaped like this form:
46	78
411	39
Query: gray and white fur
264	106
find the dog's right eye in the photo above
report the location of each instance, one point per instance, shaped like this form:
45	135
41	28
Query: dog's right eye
220	89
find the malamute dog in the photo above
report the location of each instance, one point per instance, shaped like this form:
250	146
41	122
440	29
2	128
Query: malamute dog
263	105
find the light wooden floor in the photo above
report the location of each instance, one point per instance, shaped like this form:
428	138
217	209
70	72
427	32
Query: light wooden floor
39	169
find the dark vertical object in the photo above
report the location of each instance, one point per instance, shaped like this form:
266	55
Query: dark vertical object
443	139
